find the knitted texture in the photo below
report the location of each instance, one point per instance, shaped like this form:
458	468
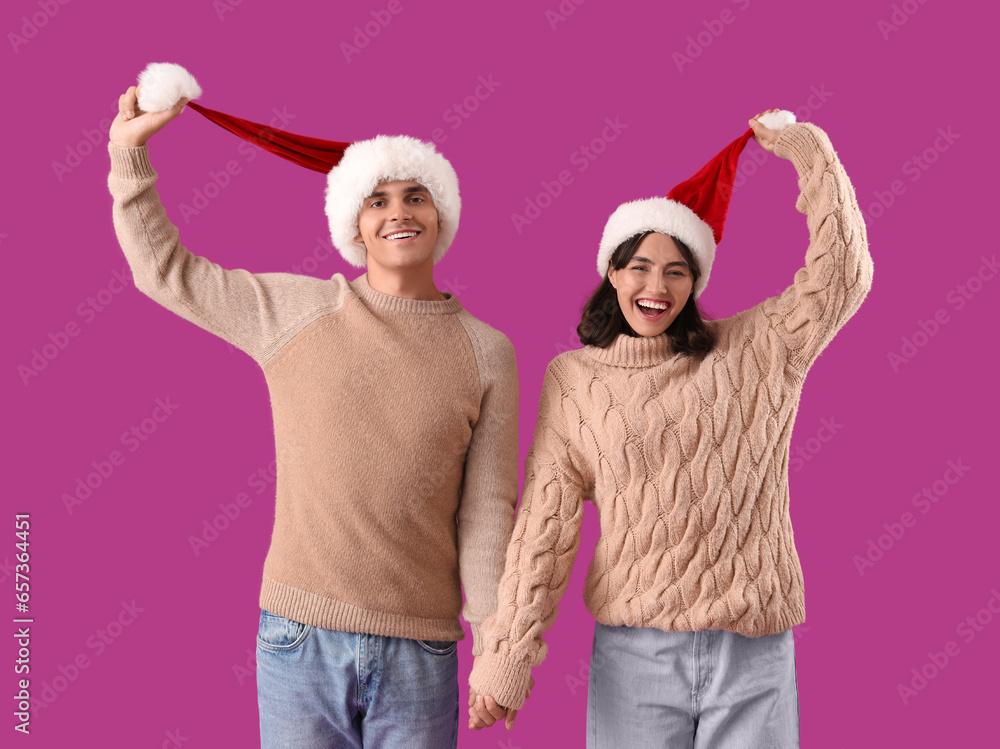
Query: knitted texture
685	459
393	418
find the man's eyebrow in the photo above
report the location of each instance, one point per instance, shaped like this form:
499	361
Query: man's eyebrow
384	194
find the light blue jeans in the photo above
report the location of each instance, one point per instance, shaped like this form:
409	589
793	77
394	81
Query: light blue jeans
320	688
711	689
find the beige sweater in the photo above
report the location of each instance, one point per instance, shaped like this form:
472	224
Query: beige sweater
392	418
686	460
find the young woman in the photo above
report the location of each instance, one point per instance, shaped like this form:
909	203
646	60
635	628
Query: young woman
677	428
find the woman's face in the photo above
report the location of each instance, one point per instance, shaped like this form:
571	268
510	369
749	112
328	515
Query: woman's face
655	285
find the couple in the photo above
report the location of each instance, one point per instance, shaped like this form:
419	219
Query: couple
395	418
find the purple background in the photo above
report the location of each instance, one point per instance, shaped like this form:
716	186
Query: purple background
181	667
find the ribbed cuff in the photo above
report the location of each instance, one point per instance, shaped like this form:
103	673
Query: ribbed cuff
130	163
477	642
799	143
504	680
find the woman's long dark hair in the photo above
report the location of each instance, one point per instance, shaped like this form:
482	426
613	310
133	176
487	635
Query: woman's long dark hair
603	320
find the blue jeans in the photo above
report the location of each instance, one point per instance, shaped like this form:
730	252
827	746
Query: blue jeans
320	688
711	689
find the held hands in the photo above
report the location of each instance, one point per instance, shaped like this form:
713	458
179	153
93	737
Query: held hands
484	710
765	136
132	127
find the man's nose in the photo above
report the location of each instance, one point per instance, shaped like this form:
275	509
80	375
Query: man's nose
400	211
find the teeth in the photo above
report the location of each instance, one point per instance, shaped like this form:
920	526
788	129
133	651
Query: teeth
402	235
652	305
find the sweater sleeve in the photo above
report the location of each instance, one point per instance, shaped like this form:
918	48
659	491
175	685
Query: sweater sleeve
838	270
540	556
489	486
251	311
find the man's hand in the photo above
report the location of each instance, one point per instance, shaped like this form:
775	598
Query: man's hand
763	135
132	127
484	710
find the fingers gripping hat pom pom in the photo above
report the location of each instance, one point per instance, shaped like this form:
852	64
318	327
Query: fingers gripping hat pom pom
163	84
353	169
694	211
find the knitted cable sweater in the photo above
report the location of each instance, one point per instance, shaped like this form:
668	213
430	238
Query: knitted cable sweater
393	418
685	459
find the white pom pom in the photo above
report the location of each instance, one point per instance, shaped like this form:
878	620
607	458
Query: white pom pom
162	84
777	120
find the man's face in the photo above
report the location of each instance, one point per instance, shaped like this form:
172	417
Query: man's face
399	225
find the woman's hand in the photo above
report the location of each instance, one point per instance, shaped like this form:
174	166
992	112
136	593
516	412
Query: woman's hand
763	135
132	127
484	710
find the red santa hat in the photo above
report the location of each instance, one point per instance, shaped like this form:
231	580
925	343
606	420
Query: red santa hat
353	169
693	212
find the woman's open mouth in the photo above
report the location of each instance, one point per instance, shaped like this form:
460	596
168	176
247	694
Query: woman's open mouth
651	309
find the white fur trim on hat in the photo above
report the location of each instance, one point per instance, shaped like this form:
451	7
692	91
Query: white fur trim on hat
163	84
667	217
386	158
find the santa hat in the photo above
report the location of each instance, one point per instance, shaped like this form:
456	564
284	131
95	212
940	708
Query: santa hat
353	169
693	212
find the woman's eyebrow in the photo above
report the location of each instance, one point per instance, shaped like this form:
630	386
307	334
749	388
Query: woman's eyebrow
647	260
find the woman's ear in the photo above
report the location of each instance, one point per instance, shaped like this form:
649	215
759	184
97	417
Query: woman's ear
611	275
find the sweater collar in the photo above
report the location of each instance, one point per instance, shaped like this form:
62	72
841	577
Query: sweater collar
389	303
634	351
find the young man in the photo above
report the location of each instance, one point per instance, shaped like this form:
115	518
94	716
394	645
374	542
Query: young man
395	414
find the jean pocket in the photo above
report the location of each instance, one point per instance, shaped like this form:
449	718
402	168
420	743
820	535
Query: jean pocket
439	647
279	634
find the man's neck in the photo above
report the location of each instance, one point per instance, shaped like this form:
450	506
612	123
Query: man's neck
412	283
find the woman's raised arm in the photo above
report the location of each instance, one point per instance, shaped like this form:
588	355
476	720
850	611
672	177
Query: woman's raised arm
838	270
